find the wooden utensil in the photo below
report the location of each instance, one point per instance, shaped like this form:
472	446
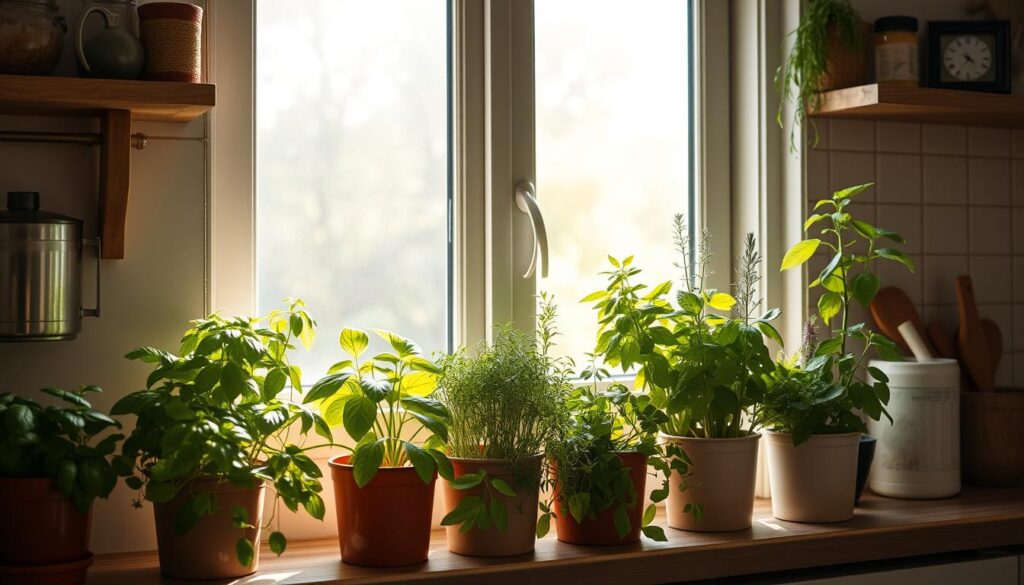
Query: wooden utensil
971	340
892	307
942	340
994	337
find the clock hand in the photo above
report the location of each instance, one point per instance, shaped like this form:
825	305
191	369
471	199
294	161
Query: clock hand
968	57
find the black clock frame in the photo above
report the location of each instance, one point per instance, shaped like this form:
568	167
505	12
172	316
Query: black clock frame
1000	29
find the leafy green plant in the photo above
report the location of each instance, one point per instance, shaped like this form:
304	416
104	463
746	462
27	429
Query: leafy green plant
59	443
701	361
820	392
385	404
505	401
806	65
216	410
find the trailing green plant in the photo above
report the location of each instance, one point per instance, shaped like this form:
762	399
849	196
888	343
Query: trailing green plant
217	410
702	360
385	404
59	442
806	64
822	391
505	401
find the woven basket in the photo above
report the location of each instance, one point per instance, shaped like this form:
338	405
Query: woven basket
172	36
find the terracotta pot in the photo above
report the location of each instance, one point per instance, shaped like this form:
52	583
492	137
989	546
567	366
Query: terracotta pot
520	534
992	439
385	523
721	479
600	531
38	525
72	573
846	68
207	550
815	482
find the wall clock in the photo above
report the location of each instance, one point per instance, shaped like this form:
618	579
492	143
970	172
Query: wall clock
971	55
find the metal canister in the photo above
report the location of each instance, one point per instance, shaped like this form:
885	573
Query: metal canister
40	272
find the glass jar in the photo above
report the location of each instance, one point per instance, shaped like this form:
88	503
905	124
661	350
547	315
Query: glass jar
896	50
31	36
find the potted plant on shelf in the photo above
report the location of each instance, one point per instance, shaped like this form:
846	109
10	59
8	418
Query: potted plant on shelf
52	466
505	403
703	366
384	490
828	53
212	430
812	399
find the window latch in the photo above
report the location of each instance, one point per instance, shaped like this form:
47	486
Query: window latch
526	202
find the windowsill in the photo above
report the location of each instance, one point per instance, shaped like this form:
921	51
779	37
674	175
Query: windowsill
882	529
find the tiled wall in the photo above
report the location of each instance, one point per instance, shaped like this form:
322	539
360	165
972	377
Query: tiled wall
957	195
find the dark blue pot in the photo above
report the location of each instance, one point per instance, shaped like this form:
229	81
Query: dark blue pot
865	455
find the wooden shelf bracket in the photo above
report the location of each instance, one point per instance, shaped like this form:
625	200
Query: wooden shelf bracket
115	175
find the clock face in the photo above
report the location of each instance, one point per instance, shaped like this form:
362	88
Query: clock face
967	58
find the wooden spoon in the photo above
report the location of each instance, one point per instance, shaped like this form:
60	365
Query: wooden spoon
942	340
994	338
973	344
889	309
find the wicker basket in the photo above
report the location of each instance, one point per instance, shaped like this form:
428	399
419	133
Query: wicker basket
172	36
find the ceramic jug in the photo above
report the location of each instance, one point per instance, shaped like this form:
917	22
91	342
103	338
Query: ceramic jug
116	51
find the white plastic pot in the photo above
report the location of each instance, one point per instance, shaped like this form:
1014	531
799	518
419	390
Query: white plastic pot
815	481
918	454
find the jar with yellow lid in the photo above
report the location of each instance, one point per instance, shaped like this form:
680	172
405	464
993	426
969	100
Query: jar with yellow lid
896	58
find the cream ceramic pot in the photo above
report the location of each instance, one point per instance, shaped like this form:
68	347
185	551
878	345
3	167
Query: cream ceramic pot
721	480
815	481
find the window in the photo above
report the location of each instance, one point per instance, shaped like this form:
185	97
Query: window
352	179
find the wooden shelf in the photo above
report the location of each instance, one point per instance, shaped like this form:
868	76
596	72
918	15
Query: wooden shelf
923	104
116	103
146	100
882	529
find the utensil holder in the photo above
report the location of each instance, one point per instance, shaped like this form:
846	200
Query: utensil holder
992	442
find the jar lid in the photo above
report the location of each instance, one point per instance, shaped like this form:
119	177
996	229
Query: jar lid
896	23
23	207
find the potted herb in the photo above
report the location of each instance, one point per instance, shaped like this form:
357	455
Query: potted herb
505	402
384	489
703	366
212	429
828	53
812	399
52	466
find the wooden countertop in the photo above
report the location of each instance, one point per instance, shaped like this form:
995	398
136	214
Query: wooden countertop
882	529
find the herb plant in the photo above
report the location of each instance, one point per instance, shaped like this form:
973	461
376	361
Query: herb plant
384	403
820	394
700	363
806	65
59	443
217	410
505	402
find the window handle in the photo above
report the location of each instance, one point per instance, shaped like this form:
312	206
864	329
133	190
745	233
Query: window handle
526	202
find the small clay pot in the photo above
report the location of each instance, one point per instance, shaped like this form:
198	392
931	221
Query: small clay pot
845	67
385	523
816	481
519	536
600	531
207	550
722	479
72	573
39	526
992	439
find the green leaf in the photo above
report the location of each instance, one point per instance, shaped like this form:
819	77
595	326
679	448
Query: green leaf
274	383
467	509
649	514
277	543
367	460
178	410
422	462
403	346
245	552
829	305
19	419
896	255
360	412
801	252
851	191
770	332
160	492
240	518
315	506
621	519
232	380
579	505
499	514
468	480
326	387
689	302
418	384
813	219
66	472
543	525
354	341
503	487
444	465
655	533
721	301
865	286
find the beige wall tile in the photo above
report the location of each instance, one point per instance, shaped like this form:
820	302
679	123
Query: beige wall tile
945	179
898	137
992	279
990	230
989	181
988	141
899	178
1018	143
817	174
851	135
940	139
939	276
906	220
847	169
898	275
1018	182
945	230
1018	231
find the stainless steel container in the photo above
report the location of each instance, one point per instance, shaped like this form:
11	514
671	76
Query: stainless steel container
41	272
